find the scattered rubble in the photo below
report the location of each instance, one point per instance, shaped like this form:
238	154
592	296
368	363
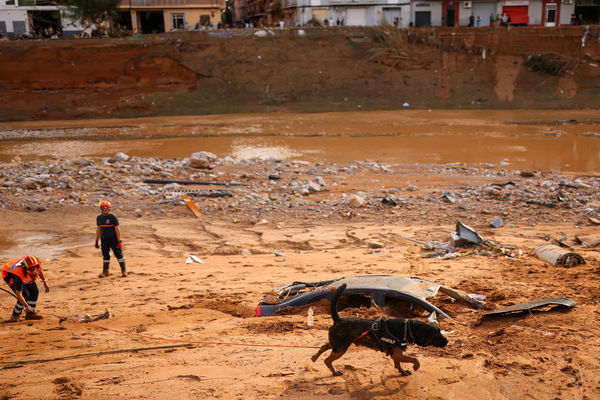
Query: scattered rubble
293	186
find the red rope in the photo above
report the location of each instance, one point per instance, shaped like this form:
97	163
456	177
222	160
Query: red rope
184	341
177	340
362	334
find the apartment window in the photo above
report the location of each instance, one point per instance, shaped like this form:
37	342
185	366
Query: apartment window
178	20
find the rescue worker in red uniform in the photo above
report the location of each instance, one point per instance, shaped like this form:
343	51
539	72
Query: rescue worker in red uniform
108	231
20	275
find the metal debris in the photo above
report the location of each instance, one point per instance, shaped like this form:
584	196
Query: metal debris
192	258
530	305
86	317
465	234
448	197
557	256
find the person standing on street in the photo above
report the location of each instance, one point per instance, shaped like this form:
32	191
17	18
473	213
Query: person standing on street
20	275
108	231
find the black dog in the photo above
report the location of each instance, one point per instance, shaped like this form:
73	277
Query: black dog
387	335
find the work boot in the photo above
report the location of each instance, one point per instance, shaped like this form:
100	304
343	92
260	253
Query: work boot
104	274
32	315
13	318
124	274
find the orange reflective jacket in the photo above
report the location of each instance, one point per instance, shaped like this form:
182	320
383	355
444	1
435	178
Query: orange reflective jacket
17	268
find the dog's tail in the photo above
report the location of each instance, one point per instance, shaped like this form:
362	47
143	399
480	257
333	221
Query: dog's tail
334	301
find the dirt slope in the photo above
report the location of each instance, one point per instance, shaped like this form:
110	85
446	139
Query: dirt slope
324	70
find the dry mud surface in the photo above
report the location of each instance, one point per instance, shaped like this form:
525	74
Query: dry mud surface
210	306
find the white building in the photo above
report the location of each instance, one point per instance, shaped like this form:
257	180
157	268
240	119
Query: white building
522	12
347	12
30	18
420	13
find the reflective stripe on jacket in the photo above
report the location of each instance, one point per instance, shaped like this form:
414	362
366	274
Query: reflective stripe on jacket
17	268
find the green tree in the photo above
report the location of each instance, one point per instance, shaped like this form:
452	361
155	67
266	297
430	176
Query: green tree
91	11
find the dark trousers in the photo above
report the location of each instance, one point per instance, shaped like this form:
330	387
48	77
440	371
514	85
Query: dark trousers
107	245
30	294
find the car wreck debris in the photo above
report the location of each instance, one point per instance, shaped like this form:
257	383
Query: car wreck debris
376	289
466	237
558	256
193	258
465	234
585	243
86	317
533	304
448	197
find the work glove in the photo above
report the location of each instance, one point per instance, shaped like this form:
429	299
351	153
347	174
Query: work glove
97	245
119	244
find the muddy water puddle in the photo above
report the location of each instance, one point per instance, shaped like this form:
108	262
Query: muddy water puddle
523	139
14	244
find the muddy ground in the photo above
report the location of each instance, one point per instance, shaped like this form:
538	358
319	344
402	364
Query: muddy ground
49	207
57	169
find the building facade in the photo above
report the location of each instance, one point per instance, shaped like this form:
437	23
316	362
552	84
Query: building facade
157	16
407	13
46	19
35	18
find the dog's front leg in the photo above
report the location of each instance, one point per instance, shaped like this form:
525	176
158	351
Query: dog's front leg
323	349
399	357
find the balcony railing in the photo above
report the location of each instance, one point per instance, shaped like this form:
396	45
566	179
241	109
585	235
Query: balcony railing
326	3
168	3
31	3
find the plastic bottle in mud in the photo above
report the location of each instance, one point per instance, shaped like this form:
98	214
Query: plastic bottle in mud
310	319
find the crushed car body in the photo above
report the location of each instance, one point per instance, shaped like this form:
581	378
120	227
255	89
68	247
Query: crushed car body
380	289
533	304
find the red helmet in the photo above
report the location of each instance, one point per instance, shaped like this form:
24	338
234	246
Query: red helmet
31	263
105	205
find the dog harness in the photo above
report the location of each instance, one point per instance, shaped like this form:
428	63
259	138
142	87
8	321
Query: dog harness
386	339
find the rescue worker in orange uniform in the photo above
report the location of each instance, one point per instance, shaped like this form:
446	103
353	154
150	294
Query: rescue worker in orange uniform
108	230
20	275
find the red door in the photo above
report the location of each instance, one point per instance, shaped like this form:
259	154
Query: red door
551	13
450	13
